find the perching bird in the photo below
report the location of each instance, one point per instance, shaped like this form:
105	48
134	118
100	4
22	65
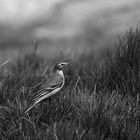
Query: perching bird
53	84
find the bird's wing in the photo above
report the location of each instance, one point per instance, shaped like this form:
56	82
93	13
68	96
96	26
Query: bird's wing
53	82
53	79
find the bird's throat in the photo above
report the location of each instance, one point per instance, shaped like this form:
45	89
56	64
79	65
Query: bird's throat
60	72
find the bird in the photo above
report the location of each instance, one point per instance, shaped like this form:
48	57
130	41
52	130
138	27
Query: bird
52	85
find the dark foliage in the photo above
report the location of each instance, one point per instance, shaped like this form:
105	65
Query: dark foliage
99	101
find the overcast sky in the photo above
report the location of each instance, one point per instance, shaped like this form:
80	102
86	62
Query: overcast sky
65	16
20	11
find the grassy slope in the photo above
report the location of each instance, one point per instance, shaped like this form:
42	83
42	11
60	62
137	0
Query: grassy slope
100	99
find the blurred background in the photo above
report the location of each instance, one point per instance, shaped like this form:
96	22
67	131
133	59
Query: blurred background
63	26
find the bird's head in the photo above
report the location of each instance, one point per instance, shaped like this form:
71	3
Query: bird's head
60	66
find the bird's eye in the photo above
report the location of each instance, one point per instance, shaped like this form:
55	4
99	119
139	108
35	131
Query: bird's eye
60	65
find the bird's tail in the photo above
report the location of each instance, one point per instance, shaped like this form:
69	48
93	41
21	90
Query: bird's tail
30	108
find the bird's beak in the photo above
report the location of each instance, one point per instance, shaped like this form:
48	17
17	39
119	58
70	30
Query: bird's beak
70	63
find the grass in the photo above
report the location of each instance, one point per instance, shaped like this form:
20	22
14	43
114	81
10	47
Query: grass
99	101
